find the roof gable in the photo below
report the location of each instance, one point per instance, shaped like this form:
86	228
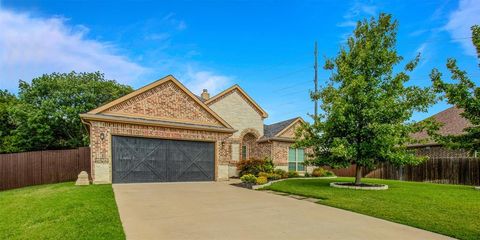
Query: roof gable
242	93
165	99
280	129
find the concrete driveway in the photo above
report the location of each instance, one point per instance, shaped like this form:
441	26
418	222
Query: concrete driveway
221	211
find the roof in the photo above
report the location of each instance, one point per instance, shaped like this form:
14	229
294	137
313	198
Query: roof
141	90
273	131
213	99
453	123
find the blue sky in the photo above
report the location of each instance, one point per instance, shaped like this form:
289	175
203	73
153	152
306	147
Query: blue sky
264	46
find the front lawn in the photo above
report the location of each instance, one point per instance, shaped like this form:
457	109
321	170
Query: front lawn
451	210
60	211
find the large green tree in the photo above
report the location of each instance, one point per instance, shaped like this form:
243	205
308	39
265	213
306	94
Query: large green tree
46	115
7	102
366	105
463	94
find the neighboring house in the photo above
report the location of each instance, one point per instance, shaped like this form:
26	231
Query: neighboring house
164	133
452	124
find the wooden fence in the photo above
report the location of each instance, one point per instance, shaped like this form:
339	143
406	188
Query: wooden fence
42	167
464	171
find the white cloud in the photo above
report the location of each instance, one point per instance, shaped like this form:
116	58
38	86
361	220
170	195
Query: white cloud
197	80
357	10
31	46
460	21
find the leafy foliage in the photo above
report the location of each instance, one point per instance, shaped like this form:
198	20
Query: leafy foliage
366	105
465	95
7	101
320	172
248	178
270	176
261	180
293	174
255	166
282	173
46	114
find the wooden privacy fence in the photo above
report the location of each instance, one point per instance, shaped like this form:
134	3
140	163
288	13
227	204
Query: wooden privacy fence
42	167
464	171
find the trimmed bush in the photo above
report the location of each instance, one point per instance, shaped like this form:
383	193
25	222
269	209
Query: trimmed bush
292	174
281	172
269	176
261	180
249	178
255	166
320	172
307	174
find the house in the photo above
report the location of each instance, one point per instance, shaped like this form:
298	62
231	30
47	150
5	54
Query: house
164	133
453	123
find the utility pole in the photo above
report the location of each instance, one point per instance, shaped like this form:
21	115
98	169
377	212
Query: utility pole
316	80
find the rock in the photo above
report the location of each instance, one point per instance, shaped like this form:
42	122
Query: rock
477	188
82	179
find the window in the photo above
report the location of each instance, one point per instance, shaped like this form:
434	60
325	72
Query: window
296	157
244	152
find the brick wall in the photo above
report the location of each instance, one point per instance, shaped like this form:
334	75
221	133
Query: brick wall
101	149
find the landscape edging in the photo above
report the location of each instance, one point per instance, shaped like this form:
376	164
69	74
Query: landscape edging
255	187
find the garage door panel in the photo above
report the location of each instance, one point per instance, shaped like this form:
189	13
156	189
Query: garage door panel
158	160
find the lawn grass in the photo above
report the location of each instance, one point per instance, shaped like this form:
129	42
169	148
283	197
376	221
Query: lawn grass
451	210
60	211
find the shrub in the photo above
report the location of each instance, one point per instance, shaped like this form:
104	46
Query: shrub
282	173
269	176
292	174
307	174
262	180
329	173
320	172
255	166
248	178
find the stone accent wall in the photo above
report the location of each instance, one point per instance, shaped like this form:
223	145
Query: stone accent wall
167	102
101	150
238	112
441	152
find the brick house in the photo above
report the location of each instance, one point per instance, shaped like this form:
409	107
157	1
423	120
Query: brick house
162	132
452	124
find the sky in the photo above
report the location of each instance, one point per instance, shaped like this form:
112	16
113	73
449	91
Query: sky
264	46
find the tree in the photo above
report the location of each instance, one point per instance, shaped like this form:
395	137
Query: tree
47	113
465	95
366	107
7	101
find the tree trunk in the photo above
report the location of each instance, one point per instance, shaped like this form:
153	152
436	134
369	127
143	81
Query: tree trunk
358	174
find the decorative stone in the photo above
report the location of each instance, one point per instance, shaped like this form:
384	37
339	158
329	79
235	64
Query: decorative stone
361	187
82	179
477	188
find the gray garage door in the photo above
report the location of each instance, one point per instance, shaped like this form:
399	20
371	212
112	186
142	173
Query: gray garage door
136	160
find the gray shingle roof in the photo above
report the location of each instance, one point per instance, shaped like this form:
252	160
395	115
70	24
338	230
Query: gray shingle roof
453	124
273	129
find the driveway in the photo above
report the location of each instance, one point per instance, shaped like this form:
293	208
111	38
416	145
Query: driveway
221	211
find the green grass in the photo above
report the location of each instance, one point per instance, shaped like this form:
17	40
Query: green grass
60	211
451	210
